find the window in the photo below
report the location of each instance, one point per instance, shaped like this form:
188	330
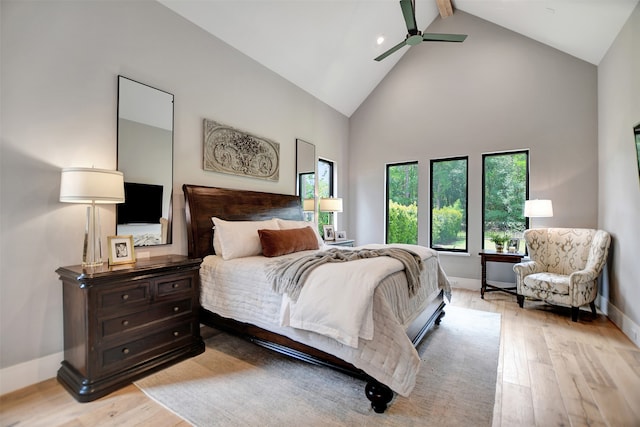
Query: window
449	189
402	203
325	189
505	184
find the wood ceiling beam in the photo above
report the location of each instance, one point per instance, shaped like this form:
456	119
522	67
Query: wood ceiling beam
445	8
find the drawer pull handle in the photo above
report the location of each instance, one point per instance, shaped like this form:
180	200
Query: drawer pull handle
125	323
125	351
176	333
176	309
176	285
125	297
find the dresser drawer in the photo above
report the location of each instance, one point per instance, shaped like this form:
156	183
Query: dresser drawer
155	313
130	293
146	347
174	285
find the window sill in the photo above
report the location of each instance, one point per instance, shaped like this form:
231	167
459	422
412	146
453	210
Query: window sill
466	254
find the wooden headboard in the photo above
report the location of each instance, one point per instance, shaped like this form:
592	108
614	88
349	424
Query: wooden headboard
203	203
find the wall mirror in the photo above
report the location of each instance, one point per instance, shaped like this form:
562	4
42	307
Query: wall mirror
145	157
306	177
636	134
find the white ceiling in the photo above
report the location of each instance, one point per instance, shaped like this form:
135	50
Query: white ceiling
326	47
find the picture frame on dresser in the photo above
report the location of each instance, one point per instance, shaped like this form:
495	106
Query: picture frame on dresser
121	250
341	235
328	232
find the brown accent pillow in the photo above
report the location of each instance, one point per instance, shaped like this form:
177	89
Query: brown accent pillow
282	242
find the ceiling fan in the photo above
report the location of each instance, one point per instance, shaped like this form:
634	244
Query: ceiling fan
414	36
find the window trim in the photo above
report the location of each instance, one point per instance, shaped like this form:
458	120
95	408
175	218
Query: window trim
525	151
332	171
386	195
466	206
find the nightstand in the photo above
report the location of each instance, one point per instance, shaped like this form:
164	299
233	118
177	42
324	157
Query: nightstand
125	321
349	243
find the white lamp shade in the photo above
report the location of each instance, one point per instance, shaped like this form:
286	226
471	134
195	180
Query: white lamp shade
538	208
87	185
308	205
331	204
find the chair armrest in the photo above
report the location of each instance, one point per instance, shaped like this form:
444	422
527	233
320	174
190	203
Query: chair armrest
583	276
526	268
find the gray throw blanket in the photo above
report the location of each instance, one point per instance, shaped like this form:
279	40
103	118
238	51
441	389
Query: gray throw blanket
288	276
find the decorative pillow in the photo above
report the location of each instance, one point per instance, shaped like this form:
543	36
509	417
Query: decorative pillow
288	224
237	239
282	242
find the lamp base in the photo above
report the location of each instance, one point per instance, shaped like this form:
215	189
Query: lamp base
92	248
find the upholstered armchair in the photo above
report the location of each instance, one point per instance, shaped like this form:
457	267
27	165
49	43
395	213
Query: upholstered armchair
564	267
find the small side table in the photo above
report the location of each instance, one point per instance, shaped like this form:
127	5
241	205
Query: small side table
348	242
493	256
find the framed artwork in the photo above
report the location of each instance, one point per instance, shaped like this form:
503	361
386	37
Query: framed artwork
121	250
328	232
236	152
341	235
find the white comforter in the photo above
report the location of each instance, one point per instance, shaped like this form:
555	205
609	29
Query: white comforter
343	309
239	289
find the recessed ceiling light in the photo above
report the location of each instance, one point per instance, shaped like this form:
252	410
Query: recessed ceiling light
380	40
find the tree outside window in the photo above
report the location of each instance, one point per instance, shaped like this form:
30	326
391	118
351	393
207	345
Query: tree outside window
449	191
402	203
505	183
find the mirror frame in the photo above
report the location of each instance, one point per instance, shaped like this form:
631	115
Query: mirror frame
636	135
303	150
161	109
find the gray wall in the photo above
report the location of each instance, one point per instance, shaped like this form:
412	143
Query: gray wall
496	91
619	189
59	67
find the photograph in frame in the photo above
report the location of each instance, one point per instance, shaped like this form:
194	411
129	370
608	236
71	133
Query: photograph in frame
341	235
328	232
121	250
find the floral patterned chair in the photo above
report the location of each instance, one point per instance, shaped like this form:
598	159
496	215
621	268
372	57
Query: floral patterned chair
564	267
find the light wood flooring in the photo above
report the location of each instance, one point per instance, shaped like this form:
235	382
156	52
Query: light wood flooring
552	372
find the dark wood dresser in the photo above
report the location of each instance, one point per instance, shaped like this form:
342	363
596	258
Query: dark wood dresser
125	321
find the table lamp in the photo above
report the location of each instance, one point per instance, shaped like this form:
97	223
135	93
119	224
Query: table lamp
331	204
538	208
92	186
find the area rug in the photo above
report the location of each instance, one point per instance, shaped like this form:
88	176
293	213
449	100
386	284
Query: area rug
237	383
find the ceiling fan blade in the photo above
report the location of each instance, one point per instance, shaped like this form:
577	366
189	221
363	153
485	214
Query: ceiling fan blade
431	37
409	16
390	51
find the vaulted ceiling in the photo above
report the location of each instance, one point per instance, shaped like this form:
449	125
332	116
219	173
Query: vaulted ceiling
326	47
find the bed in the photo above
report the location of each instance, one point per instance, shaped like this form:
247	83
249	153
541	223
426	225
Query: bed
387	362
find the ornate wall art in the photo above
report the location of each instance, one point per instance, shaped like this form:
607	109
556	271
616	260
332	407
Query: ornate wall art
232	151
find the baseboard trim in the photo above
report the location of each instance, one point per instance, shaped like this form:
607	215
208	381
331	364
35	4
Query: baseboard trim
626	325
465	283
28	373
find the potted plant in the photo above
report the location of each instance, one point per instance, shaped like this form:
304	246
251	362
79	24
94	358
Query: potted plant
499	239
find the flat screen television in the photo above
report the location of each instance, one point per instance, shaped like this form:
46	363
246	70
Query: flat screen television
142	204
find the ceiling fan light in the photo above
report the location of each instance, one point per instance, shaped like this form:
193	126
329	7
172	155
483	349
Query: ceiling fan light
380	40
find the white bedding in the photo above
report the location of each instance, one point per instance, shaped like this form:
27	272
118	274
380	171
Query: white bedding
343	309
239	289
